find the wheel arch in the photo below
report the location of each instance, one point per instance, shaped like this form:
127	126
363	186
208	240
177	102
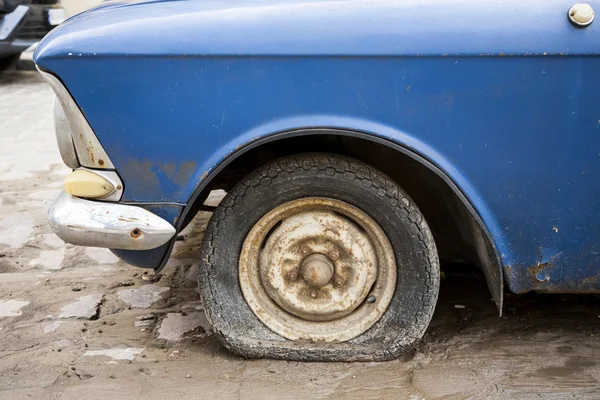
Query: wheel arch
456	208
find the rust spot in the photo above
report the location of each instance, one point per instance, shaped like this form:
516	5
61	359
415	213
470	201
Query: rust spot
169	169
143	171
502	54
123	219
136	233
536	269
91	153
204	175
150	174
539	277
101	162
180	174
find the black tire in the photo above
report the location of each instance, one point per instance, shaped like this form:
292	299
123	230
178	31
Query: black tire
7	62
322	175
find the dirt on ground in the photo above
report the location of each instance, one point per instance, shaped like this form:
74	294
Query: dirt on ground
77	323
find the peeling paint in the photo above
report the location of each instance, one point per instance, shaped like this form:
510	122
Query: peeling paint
161	178
545	276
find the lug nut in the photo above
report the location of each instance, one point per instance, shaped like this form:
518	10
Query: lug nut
338	281
305	250
293	275
313	294
334	255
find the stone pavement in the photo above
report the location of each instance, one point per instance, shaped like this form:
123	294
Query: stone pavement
62	294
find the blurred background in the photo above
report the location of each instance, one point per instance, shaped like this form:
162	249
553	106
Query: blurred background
23	23
73	7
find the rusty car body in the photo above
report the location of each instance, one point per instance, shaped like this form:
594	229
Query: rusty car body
485	115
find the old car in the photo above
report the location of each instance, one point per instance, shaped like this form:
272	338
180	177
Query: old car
360	143
23	23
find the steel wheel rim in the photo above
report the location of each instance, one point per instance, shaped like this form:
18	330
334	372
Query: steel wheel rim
317	269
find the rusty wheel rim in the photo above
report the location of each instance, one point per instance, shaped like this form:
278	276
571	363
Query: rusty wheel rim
317	269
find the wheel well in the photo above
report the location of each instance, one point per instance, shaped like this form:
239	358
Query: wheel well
458	232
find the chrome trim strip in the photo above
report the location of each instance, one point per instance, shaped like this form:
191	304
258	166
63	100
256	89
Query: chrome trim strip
114	179
110	225
89	150
64	137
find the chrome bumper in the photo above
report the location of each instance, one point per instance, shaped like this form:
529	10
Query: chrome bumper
111	225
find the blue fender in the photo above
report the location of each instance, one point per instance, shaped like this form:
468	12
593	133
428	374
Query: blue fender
501	99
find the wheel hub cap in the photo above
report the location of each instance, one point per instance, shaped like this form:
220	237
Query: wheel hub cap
317	269
315	246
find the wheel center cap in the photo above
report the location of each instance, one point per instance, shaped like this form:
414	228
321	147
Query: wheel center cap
317	270
318	265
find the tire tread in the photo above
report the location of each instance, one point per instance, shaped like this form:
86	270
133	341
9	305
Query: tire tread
349	170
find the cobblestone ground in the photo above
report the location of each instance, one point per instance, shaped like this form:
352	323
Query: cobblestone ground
77	323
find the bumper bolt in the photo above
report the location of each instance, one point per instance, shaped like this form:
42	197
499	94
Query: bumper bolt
136	233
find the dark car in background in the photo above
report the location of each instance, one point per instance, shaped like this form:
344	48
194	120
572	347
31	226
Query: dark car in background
23	23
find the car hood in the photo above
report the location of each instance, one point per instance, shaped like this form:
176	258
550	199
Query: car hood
181	28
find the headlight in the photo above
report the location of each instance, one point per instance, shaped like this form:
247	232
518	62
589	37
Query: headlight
87	184
97	184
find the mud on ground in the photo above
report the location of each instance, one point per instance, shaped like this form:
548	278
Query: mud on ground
77	323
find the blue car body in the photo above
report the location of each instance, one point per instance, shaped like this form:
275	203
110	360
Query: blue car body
502	100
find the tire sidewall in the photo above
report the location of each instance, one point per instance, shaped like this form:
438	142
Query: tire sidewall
340	178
